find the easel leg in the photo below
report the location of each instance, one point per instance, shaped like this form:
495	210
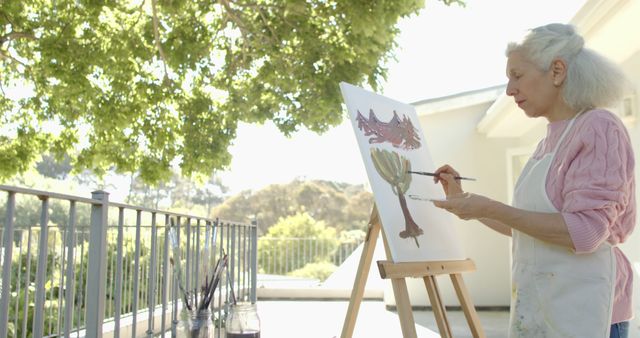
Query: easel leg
469	310
361	275
439	310
401	293
429	270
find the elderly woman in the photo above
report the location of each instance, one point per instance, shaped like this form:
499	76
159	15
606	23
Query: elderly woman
574	201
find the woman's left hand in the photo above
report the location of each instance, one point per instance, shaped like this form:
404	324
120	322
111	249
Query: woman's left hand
466	205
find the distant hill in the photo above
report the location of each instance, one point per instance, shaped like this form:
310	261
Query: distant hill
341	205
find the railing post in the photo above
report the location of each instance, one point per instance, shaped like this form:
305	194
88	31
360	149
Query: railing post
254	261
165	274
136	275
187	273
70	279
41	270
232	259
174	286
6	264
246	232
97	269
218	225
196	269
117	302
152	276
27	282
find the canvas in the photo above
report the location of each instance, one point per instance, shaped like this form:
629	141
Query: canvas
391	142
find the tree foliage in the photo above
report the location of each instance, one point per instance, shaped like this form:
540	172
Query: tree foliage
50	167
141	85
178	193
339	205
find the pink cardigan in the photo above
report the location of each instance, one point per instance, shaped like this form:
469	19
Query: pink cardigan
592	182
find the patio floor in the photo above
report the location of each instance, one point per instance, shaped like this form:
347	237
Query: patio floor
324	319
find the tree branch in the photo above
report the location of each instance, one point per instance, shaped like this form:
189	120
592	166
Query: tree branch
141	10
4	56
233	17
15	36
260	10
274	37
4	14
156	35
239	23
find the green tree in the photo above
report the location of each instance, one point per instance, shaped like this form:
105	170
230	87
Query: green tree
210	193
358	211
51	167
151	196
267	205
179	192
143	85
340	205
321	201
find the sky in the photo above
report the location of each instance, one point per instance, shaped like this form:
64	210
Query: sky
441	51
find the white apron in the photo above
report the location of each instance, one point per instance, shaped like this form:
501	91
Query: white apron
555	292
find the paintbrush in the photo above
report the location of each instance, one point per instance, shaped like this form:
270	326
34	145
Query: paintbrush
436	175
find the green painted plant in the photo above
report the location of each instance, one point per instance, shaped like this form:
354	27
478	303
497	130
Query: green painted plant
394	168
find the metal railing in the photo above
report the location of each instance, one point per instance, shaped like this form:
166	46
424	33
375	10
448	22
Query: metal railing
74	266
282	255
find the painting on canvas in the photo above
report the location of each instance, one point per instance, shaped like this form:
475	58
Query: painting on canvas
392	144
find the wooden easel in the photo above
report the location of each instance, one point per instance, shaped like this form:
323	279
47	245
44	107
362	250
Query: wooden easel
397	272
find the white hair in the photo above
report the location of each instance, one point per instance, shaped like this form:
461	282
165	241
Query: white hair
592	80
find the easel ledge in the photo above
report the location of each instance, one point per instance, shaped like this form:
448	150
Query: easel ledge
389	269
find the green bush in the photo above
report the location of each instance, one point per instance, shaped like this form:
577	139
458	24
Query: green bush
25	264
286	247
320	271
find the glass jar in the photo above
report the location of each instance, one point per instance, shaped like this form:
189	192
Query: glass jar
201	325
243	321
182	326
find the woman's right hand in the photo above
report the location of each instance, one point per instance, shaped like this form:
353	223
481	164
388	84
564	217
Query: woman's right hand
445	176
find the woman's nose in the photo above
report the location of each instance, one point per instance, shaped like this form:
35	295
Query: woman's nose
511	91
